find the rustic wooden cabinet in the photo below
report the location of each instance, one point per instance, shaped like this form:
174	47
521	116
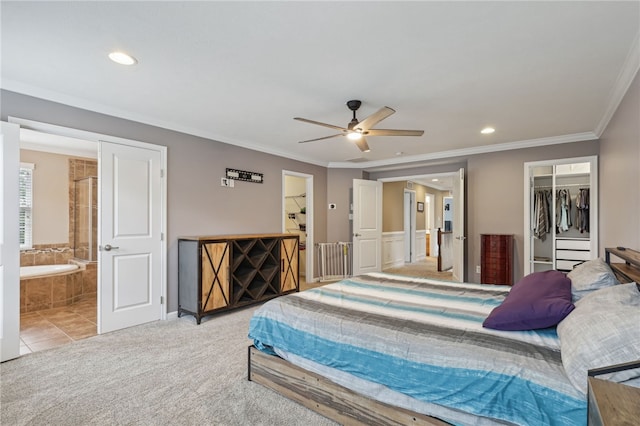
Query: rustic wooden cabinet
216	273
610	403
496	259
626	272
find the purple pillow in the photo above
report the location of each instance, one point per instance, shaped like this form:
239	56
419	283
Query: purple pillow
539	300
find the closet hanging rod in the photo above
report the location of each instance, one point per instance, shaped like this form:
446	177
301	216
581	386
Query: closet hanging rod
562	186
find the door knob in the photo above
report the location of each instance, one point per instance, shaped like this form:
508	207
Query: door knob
109	247
357	235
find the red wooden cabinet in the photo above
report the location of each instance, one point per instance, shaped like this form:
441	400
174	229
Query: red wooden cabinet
496	259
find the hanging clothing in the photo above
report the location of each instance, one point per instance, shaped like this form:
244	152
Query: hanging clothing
563	210
582	210
541	214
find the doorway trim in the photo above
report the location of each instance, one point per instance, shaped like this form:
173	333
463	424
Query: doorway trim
97	137
410	225
309	258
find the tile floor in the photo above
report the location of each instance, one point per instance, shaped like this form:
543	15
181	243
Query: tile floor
55	327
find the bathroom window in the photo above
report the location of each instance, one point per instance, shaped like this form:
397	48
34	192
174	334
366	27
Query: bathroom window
26	205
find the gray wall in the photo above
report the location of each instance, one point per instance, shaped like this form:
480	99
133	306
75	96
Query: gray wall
197	204
495	182
620	174
495	196
339	187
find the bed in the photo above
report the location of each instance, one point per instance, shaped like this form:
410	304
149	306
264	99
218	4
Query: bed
384	349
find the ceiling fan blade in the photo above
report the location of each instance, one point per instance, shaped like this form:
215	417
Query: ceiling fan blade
331	126
362	144
390	132
375	118
319	139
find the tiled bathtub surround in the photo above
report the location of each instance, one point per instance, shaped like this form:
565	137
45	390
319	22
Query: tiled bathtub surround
50	291
89	276
46	254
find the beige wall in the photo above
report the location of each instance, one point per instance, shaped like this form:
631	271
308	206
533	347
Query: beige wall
50	196
620	174
392	206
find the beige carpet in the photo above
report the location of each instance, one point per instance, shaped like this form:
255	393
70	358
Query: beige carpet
426	268
162	373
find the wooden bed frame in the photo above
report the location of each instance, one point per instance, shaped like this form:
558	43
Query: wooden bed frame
326	397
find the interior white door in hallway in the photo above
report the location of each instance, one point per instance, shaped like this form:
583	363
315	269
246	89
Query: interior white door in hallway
367	226
409	226
459	235
130	237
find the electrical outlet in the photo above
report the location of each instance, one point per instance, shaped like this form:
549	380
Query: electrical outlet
477	269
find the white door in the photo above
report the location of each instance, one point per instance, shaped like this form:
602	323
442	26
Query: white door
409	226
130	221
9	243
458	226
367	226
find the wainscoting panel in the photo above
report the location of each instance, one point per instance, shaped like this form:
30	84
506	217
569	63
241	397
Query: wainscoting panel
393	249
421	244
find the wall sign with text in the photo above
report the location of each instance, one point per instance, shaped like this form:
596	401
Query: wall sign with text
243	175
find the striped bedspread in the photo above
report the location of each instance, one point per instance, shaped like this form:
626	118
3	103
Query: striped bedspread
424	338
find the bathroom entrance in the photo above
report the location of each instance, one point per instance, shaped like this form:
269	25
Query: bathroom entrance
80	300
58	237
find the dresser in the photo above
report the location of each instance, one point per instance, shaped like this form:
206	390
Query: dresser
496	259
217	273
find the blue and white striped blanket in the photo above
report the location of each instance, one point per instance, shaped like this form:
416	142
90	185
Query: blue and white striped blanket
424	338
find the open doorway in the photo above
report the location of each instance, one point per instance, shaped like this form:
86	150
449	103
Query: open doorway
297	218
415	249
136	184
58	240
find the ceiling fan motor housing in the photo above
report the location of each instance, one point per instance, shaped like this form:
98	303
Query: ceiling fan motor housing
354	105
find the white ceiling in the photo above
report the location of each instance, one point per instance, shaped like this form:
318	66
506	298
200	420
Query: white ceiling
238	72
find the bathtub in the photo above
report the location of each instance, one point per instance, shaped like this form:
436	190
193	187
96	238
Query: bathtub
41	270
50	286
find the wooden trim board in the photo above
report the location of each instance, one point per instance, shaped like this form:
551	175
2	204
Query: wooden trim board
326	397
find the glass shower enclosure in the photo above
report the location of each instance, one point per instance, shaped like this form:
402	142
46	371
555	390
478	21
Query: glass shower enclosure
86	218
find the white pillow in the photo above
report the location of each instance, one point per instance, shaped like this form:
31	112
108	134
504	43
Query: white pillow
589	276
602	330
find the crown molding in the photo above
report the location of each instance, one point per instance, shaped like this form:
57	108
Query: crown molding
413	161
624	80
74	102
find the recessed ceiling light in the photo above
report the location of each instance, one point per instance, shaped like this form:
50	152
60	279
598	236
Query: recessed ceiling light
434	180
122	58
487	130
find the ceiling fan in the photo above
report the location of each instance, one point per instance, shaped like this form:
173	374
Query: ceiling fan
357	130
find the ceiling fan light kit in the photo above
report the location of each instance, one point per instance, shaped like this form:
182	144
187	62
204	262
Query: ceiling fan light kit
357	130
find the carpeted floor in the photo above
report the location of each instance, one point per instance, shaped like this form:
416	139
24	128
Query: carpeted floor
426	268
162	373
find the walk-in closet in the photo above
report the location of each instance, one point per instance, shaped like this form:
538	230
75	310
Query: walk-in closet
561	213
